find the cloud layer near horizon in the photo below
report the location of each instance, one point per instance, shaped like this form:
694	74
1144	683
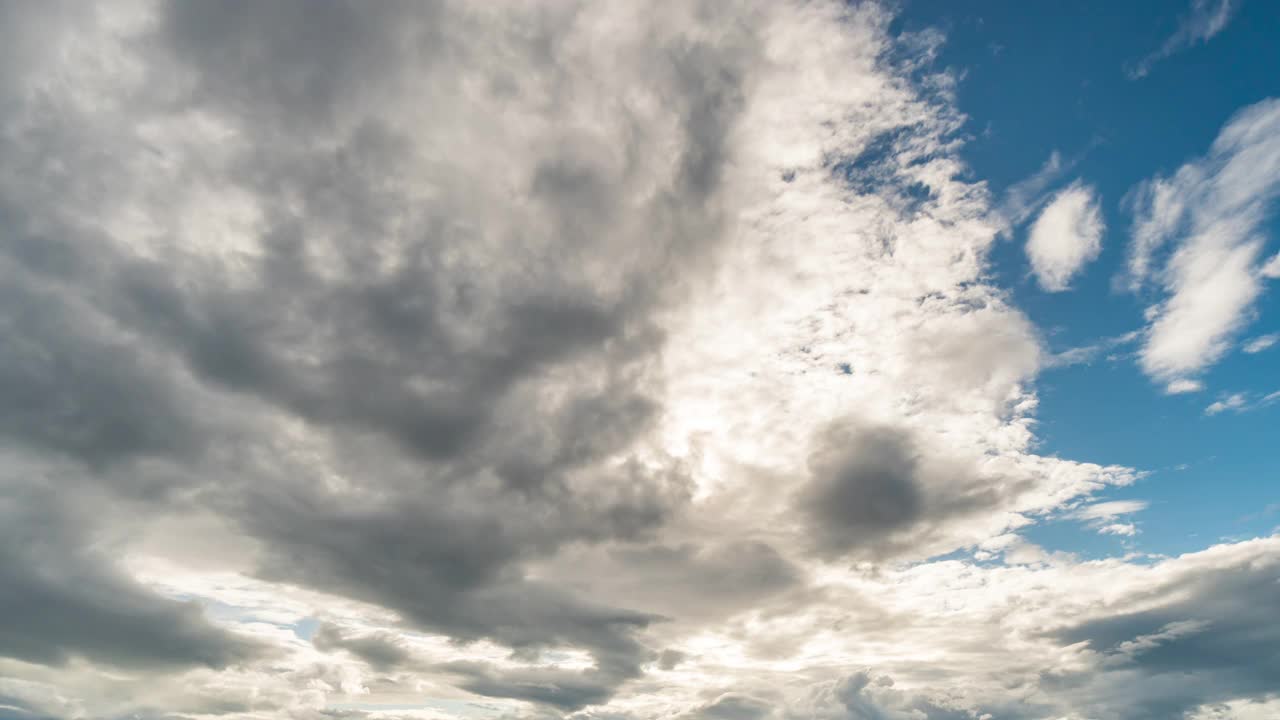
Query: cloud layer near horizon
438	360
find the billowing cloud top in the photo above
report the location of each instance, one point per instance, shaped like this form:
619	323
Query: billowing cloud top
590	360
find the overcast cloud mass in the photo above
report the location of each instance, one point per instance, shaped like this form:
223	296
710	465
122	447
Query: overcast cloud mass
598	361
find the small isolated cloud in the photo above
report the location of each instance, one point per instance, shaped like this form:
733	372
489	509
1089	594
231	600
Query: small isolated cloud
1260	343
1205	19
1066	236
1235	402
1103	516
1183	385
1123	529
1086	354
1108	510
1212	214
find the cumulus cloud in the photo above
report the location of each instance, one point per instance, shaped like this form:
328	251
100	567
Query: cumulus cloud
561	361
1213	211
403	358
1066	237
1203	20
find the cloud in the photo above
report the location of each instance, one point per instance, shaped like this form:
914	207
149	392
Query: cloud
1101	517
1183	385
1154	640
1123	529
1237	710
1026	196
733	707
684	582
1234	401
1241	402
1214	210
570	361
64	600
562	689
1271	268
402	371
865	487
1066	237
880	491
1260	343
1086	354
1192	638
381	650
864	696
1204	19
1109	510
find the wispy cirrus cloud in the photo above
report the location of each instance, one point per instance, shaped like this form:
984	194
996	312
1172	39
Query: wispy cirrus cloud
1104	517
1203	20
1239	402
1024	197
1260	343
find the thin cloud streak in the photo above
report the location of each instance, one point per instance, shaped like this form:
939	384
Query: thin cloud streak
1203	20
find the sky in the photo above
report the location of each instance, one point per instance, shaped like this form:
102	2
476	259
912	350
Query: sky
699	360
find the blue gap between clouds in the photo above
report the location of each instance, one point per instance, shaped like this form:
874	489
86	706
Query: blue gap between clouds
1043	77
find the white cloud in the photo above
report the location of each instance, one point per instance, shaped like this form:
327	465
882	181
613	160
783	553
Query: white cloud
1242	402
1102	516
1260	343
1238	710
1183	385
1026	196
1066	236
1202	21
1108	510
1271	268
1086	354
1123	529
1234	401
1214	210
